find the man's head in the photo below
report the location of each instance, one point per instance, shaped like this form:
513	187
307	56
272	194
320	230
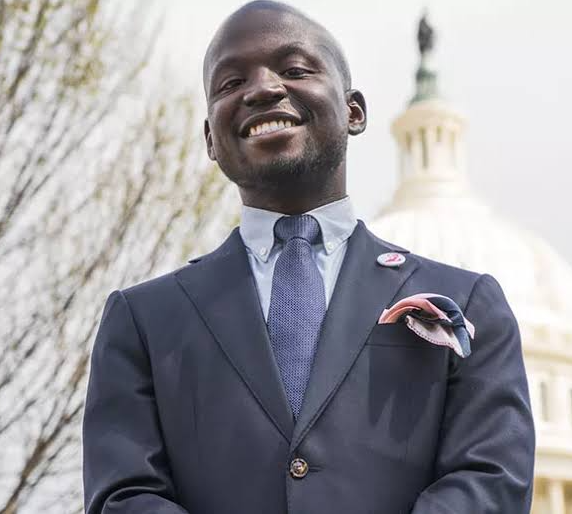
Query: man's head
280	103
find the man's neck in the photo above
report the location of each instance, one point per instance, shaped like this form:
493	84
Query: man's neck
287	205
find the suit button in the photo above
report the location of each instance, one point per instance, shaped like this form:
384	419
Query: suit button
298	468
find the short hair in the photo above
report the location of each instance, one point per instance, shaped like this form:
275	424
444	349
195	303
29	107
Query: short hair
260	5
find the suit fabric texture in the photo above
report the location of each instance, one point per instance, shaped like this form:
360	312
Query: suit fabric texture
186	412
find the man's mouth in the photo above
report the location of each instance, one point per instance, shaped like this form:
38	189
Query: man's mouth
269	127
268	123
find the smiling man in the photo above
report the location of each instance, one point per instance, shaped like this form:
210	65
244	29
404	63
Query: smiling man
257	378
283	142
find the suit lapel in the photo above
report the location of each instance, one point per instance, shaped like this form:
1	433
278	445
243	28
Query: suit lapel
222	288
363	289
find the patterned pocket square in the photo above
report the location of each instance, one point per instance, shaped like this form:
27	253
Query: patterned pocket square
435	318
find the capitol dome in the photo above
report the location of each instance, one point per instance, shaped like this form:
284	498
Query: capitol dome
434	212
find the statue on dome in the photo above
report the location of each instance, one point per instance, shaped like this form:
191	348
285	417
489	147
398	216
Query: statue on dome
425	35
426	76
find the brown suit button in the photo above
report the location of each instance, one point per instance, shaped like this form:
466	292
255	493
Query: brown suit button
298	468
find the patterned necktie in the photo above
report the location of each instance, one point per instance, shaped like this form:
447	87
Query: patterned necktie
297	304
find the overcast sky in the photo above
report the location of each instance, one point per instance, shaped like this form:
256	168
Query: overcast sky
505	64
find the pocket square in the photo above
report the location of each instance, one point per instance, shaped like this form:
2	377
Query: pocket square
435	318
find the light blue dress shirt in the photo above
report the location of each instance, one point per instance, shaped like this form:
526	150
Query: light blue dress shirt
337	221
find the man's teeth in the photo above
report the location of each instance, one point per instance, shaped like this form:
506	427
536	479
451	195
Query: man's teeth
266	128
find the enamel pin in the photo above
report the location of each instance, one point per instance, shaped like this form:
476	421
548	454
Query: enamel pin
391	259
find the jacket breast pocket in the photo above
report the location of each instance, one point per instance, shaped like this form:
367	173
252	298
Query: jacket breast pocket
396	334
399	351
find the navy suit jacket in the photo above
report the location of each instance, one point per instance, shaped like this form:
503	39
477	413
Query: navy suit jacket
186	412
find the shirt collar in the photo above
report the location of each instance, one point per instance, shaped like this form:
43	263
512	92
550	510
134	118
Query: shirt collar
336	219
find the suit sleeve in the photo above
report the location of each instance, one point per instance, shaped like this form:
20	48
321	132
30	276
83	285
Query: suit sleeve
125	466
485	459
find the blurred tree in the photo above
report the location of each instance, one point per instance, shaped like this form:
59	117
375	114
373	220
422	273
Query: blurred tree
101	187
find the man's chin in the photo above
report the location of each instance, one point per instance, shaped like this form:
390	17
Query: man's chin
311	166
282	172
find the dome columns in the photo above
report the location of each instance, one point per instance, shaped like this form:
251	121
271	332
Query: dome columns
430	138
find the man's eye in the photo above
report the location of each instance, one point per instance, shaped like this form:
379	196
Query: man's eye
296	72
229	84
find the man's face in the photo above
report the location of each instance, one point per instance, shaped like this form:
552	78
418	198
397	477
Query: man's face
276	102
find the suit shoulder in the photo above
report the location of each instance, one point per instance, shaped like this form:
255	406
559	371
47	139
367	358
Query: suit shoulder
447	270
152	286
457	283
168	282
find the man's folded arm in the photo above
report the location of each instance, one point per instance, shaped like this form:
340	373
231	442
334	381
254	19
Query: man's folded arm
125	464
486	454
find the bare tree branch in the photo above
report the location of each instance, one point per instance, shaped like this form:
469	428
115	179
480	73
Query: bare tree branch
102	188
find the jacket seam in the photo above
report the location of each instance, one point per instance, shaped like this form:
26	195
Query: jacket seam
471	294
142	340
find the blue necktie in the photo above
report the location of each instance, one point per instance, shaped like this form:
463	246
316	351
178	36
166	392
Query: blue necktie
297	304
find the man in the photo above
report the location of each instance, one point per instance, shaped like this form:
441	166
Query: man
256	379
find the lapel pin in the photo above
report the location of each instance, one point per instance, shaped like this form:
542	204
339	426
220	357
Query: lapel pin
391	259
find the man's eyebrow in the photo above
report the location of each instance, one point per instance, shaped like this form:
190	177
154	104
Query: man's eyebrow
294	48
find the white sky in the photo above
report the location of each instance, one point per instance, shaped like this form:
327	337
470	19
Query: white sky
505	64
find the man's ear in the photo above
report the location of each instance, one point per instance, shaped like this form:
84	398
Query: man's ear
209	140
357	114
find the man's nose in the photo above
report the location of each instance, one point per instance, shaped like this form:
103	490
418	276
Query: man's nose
266	88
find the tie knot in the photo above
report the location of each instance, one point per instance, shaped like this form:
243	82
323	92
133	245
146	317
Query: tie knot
303	226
